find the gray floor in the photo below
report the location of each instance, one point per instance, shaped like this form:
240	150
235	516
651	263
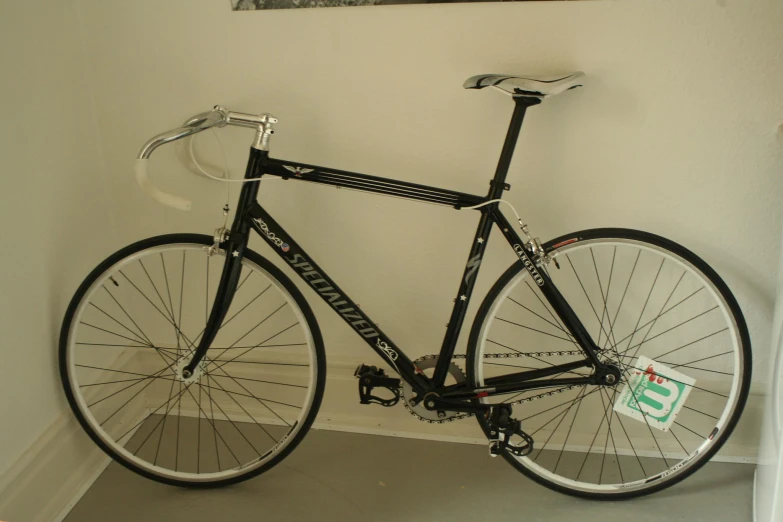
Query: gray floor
343	476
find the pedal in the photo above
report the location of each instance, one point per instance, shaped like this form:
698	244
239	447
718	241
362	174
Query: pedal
371	377
502	428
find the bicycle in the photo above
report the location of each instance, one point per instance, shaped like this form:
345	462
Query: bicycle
194	361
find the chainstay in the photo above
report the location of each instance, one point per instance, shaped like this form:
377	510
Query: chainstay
500	356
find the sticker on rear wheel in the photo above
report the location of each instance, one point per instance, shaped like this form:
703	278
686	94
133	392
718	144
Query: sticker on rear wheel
654	393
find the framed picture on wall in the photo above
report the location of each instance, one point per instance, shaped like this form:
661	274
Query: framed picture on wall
253	5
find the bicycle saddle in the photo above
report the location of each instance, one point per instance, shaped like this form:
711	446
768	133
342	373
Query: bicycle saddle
532	86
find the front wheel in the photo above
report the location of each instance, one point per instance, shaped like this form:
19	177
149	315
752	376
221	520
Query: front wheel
134	324
657	312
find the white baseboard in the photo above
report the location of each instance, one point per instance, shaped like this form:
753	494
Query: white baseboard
61	465
52	475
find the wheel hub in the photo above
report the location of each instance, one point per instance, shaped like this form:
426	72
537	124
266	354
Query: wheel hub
180	372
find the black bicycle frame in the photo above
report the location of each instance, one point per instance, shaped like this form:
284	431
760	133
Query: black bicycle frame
250	214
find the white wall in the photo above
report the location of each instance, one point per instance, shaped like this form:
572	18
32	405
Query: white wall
675	133
54	207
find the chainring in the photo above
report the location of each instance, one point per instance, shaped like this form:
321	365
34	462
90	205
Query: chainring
426	363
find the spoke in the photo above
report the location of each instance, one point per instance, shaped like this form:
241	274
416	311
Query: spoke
242	282
637	330
227	361
256	326
167	318
261	400
687	428
216	431
232	423
587	454
154	429
138	338
116	371
666	331
646	302
179	418
126	387
212	411
689	363
699	411
127	315
693	342
646	335
604	298
610	434
539	316
154	287
165	416
644	416
256	346
553	407
558	424
266	382
198	434
231	396
181	295
229	319
620	420
533	329
121	345
171	303
109	332
678	441
142	421
128	401
113	382
206	300
622	299
607	406
248	304
680	382
590	301
576	413
154	305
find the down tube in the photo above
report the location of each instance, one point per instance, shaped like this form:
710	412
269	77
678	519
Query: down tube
328	290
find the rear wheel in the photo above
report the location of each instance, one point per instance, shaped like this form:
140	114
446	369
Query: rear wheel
135	322
661	315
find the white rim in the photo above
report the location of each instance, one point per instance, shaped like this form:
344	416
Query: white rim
684	464
242	468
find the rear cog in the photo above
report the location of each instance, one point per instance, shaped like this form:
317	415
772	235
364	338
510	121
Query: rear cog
428	362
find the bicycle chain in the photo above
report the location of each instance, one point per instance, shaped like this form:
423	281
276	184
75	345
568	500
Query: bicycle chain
498	356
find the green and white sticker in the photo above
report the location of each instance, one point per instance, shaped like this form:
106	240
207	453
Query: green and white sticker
655	393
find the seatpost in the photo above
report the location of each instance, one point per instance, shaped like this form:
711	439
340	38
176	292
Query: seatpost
498	183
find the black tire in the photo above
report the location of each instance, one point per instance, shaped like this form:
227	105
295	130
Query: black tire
201	241
643	237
